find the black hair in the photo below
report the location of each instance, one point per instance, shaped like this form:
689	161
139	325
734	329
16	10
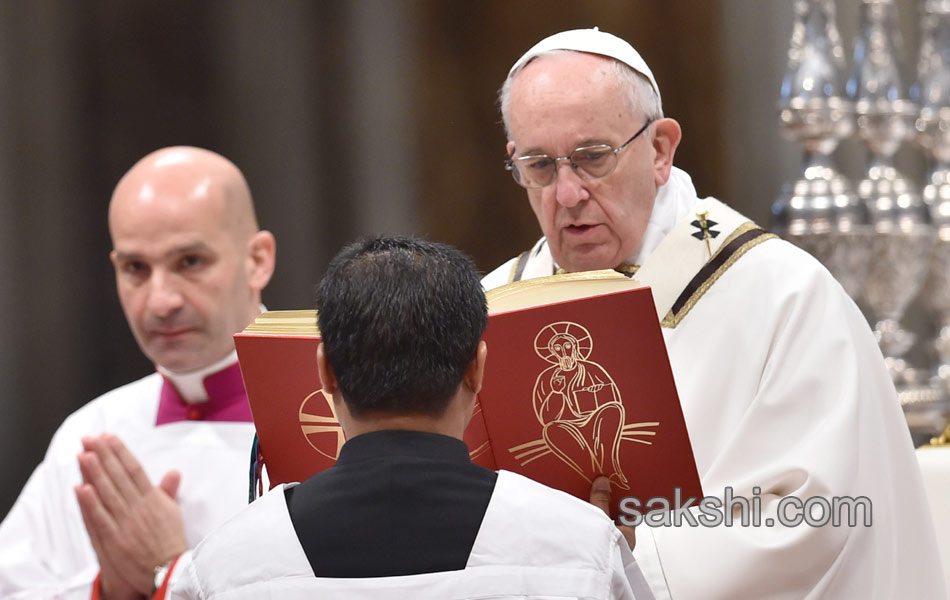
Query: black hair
400	319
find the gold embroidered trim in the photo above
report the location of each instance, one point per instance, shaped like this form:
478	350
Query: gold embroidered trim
625	268
671	320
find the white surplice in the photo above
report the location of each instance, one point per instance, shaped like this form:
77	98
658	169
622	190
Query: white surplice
783	389
534	542
44	548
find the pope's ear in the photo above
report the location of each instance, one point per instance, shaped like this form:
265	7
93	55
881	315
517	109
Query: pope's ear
666	137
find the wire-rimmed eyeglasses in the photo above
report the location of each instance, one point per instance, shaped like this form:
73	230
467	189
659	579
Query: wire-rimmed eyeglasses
589	162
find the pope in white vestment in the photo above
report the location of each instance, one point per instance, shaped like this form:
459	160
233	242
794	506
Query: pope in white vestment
785	393
44	548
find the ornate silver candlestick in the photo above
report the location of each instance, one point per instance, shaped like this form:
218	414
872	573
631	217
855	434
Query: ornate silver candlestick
820	211
933	135
903	238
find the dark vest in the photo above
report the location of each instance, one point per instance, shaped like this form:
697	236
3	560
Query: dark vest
395	503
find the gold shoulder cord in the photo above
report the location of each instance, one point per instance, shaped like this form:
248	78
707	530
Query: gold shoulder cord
727	255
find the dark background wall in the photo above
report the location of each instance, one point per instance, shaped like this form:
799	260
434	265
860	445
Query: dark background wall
346	117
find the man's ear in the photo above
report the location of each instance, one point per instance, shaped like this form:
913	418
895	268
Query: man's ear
262	252
509	148
332	388
666	137
327	377
475	372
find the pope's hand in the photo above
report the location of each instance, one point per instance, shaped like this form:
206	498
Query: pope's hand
134	526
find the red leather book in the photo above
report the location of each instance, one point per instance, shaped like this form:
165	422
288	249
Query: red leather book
577	384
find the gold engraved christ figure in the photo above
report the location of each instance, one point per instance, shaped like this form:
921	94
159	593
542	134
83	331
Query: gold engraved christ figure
578	404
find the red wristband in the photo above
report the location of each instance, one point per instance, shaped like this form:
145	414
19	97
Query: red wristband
96	587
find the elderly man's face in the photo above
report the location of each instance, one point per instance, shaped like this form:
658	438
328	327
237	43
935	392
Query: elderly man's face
559	103
182	273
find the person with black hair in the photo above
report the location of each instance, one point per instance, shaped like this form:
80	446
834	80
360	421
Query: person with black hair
404	512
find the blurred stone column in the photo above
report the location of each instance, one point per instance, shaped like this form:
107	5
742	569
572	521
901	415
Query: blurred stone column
11	385
44	306
327	141
272	119
381	116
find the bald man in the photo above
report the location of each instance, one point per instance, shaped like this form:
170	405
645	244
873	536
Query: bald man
162	460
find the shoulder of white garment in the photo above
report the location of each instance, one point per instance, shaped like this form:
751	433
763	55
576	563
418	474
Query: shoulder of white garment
124	408
786	267
537	263
499	276
256	545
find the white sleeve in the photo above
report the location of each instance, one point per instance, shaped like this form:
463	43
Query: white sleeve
44	549
649	565
181	583
626	575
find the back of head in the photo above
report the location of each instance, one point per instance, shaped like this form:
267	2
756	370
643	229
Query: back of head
401	319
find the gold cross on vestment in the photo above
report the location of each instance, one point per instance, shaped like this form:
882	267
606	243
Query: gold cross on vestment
704	226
